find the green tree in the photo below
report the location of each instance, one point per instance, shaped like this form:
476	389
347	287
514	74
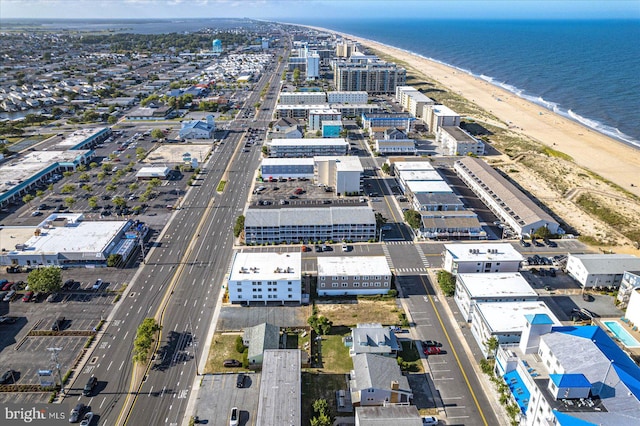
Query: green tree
380	220
386	168
240	347
492	345
133	186
155	134
107	167
68	188
68	173
93	202
542	232
447	283
70	201
39	193
114	260
111	187
296	76
93	165
413	218
154	183
239	226
321	411
87	188
81	168
119	202
112	119
84	177
141	153
101	176
45	280
27	199
145	336
50	187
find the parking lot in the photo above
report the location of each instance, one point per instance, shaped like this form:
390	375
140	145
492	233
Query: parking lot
218	394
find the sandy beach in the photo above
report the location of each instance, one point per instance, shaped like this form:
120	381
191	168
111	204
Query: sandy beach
594	151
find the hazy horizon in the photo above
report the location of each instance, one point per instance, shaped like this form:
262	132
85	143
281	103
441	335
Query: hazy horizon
322	9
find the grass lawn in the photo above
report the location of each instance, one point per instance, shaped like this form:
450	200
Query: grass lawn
335	355
320	386
223	347
411	355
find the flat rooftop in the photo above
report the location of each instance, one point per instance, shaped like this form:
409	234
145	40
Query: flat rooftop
75	138
496	284
266	267
344	163
79	237
458	134
412	165
509	317
441	110
419	175
309	142
353	265
483	251
280	400
27	166
417	186
607	263
297	161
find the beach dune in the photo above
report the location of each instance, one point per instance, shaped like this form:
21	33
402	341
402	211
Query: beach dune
607	157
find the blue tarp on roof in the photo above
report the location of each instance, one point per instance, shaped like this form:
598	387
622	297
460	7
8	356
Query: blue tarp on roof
627	370
565	419
570	380
538	319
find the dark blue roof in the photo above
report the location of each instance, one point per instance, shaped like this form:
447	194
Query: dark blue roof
570	380
624	366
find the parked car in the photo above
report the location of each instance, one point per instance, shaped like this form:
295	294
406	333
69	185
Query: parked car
231	363
524	243
86	420
8	320
58	324
429	421
90	386
240	380
97	284
327	248
429	343
52	297
27	296
7	286
8	377
234	416
75	414
432	350
9	296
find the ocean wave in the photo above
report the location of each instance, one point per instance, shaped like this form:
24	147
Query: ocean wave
610	131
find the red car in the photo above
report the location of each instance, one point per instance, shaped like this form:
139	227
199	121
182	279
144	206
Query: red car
27	296
432	350
7	286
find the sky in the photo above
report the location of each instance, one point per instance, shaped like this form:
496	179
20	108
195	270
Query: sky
307	10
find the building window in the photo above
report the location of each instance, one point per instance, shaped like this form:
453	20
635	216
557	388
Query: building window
334	284
365	284
356	278
239	289
345	285
356	284
377	284
322	285
386	284
239	296
321	278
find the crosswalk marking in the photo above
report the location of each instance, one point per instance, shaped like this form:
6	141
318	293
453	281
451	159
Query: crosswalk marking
424	259
398	242
387	256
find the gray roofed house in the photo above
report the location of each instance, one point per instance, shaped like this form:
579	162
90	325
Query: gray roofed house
445	201
258	339
376	380
600	270
373	338
398	415
293	224
280	399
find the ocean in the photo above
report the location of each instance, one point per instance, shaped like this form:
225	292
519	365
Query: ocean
588	71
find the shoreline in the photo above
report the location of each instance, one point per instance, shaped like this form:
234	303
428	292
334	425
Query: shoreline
613	159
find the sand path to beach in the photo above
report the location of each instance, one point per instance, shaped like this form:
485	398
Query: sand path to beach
594	151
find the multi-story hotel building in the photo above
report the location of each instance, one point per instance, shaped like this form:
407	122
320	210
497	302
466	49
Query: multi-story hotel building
349	275
283	148
295	224
373	77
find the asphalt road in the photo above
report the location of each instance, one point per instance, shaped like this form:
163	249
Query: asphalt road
192	257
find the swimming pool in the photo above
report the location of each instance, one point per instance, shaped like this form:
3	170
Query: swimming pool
623	335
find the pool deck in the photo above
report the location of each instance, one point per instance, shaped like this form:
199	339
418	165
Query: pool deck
626	326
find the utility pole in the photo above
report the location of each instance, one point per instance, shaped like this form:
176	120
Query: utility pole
54	358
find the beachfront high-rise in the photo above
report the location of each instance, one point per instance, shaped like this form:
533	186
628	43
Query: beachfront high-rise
372	76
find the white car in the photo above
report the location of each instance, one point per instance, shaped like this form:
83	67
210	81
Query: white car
234	417
429	421
86	420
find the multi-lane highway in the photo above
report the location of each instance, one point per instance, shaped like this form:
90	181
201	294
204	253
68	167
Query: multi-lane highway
180	284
